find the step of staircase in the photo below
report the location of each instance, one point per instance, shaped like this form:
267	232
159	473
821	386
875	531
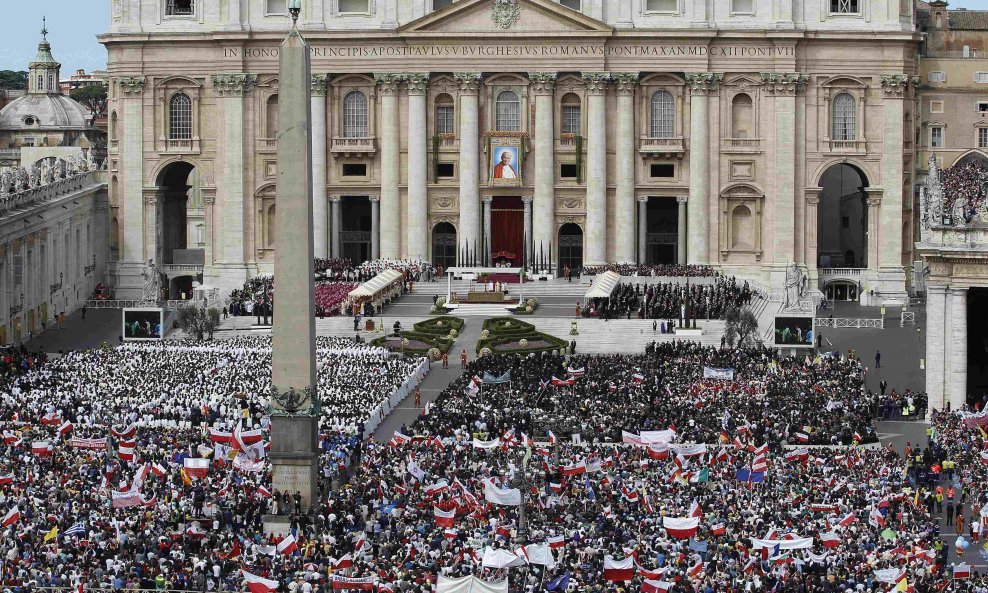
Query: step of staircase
481	310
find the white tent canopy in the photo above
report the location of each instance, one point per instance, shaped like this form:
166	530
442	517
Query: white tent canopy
603	285
375	285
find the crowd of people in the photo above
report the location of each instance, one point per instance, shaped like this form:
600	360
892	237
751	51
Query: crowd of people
679	270
666	300
687	466
965	188
95	488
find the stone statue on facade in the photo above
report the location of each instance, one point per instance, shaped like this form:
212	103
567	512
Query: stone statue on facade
152	283
60	169
795	287
35	179
47	173
21	180
90	160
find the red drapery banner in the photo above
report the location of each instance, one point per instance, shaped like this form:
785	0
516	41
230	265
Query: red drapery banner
508	227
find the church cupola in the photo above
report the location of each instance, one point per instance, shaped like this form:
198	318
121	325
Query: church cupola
44	70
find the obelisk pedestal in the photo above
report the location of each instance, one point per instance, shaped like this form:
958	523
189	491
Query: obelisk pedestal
295	404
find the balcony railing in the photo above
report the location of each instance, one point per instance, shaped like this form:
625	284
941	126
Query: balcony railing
847	145
186	146
10	154
830	273
345	147
742	144
650	146
267	145
955	55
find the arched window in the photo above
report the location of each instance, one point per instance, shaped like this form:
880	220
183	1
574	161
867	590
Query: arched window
508	111
741	116
41	82
180	117
742	228
355	115
844	118
570	114
271	113
445	115
663	115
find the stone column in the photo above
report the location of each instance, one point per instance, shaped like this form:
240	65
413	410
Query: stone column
595	233
701	84
320	220
810	231
294	433
232	88
890	254
543	210
375	202
334	200
527	203
469	235
681	230
132	160
874	212
936	347
624	197
417	219
784	86
389	210
642	229
957	381
486	257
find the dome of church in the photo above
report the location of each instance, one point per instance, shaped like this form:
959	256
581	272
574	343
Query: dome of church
43	112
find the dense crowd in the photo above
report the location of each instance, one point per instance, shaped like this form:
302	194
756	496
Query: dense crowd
965	188
666	300
680	270
331	298
117	424
686	466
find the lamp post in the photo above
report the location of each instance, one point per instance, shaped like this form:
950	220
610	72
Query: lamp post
294	8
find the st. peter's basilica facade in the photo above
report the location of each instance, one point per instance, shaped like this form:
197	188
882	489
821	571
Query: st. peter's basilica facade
744	134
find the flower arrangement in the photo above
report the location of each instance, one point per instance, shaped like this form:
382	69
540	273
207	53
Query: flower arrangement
503	134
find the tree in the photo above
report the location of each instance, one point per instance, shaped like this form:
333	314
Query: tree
93	96
741	329
197	320
13	79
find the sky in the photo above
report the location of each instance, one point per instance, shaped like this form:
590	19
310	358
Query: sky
72	29
74	24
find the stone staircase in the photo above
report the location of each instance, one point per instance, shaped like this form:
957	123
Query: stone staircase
619	336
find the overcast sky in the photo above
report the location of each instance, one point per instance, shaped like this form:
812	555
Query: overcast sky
74	24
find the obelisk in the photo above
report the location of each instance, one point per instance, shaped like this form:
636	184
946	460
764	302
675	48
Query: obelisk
294	409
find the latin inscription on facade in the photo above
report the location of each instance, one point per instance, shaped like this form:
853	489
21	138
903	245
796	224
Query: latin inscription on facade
291	478
533	51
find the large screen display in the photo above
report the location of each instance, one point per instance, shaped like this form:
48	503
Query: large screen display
142	324
794	331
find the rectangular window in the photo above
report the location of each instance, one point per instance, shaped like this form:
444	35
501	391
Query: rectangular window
28	141
445	123
19	269
936	106
571	119
663	170
982	107
440	4
277	7
981	77
662	5
180	8
844	6
567	170
354	6
936	137
937	76
743	6
445	170
354	169
982	137
574	4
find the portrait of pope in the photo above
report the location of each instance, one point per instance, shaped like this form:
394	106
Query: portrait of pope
504	169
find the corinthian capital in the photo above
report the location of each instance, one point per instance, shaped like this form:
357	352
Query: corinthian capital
895	85
320	82
131	85
626	82
417	82
388	82
469	81
233	85
596	82
785	83
542	82
702	83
